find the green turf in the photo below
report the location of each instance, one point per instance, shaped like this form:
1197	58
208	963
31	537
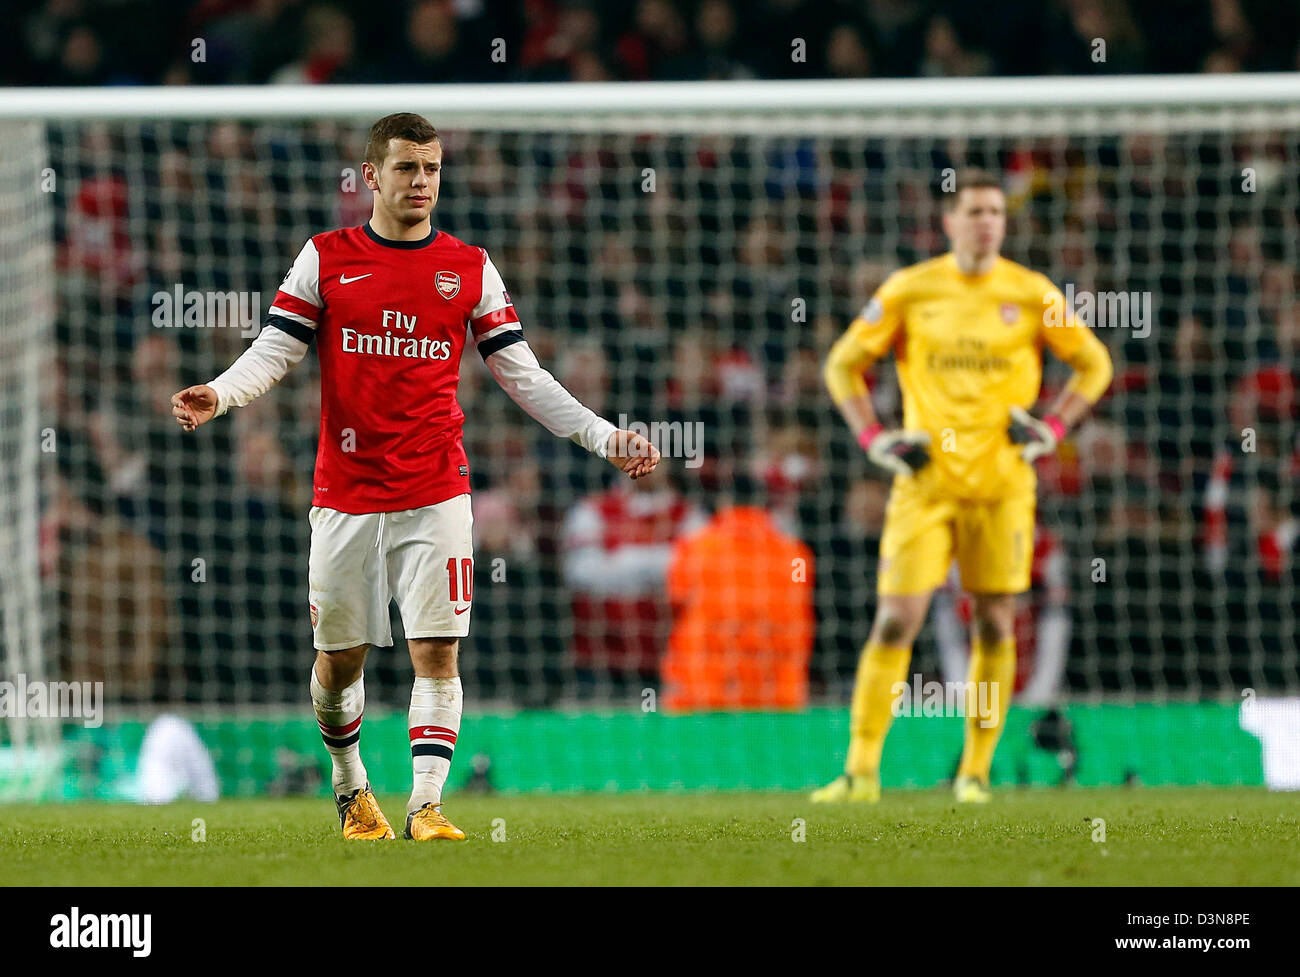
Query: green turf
1153	835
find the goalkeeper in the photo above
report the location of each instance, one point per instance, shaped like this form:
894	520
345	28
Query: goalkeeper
967	330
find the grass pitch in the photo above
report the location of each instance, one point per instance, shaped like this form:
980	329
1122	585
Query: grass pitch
1151	835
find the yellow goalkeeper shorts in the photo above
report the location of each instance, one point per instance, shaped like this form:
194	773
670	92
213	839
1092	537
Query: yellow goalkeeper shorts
993	542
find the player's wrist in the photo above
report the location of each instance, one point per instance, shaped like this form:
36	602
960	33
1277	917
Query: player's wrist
220	404
1057	426
869	434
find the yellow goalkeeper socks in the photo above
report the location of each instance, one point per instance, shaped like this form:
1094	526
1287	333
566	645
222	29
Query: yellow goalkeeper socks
991	679
880	668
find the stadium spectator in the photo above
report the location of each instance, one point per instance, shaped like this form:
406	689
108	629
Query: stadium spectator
556	36
693	384
505	515
742	598
1277	531
946	56
1097	35
436	49
788	466
846	53
114	615
801	380
99	249
81	61
617	546
898	27
715	29
1190	386
588	66
658	46
328	49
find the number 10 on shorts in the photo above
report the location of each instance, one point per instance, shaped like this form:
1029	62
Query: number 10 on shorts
460	579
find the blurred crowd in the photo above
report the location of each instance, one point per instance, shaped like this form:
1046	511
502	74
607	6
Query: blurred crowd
148	42
179	560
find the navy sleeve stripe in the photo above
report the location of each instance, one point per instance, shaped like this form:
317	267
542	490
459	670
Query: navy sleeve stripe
297	330
500	341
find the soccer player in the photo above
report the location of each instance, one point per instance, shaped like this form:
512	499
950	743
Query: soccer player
967	331
390	305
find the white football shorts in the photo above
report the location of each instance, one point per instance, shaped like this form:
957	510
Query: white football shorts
359	562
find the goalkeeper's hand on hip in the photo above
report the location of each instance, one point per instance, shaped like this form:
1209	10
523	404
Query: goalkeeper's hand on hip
1037	437
901	452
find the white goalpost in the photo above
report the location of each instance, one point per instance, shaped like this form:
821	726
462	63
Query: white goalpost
26	352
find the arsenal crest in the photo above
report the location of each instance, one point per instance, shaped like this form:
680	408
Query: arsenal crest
447	283
1010	313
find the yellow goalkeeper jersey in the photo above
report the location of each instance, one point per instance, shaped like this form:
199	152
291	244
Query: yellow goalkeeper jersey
968	349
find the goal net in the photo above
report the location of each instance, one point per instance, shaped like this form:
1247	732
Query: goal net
681	257
26	349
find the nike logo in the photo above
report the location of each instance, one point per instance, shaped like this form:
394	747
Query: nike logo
345	280
462	610
428	732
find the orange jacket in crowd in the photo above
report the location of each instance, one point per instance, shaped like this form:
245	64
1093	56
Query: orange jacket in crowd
742	597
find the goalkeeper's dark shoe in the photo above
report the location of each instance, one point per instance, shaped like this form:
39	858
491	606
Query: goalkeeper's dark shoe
971	790
429	824
361	818
862	790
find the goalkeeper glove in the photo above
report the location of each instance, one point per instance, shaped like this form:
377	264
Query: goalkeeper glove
1039	437
901	452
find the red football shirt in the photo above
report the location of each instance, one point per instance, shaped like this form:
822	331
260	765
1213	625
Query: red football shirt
390	321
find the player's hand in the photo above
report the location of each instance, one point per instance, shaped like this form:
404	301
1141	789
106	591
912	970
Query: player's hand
901	452
1039	437
632	454
194	406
